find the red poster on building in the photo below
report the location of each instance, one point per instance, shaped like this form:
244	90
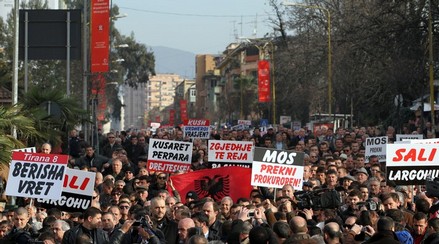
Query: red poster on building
264	81
183	110
157	119
99	35
215	183
172	117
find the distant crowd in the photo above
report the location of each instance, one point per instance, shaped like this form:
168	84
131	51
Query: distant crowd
345	197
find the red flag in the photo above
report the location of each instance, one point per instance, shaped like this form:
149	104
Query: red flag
216	183
172	117
183	110
264	81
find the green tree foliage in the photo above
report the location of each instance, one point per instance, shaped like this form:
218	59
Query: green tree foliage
54	113
18	118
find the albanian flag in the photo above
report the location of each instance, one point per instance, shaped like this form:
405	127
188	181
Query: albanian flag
215	183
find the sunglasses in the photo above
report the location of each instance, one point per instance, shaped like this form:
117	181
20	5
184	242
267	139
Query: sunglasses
348	226
111	137
124	207
116	194
94	197
161	178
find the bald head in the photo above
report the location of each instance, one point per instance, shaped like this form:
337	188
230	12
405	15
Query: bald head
298	225
331	231
183	226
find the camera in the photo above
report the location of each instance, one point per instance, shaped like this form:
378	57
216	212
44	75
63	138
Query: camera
143	223
251	214
308	200
318	199
432	187
370	205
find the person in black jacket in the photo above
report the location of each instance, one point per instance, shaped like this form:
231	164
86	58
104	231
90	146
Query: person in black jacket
90	228
162	222
385	233
92	160
143	230
20	233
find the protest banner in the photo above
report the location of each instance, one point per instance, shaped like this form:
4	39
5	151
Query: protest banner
36	175
403	137
215	183
285	120
376	146
244	122
297	124
196	128
238	127
425	141
26	149
169	156
77	192
230	153
412	164
276	168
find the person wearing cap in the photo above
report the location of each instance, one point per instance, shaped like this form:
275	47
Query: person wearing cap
129	180
362	175
191	196
347	181
142	195
269	135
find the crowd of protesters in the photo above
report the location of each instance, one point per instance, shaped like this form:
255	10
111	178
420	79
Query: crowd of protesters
133	205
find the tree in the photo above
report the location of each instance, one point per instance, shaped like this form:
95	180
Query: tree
378	52
18	118
54	112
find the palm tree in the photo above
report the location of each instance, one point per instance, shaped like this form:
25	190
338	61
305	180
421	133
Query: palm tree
54	113
14	117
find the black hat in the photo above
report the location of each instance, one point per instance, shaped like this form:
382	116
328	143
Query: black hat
192	194
143	158
141	188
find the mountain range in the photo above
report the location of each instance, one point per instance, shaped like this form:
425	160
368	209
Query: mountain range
174	61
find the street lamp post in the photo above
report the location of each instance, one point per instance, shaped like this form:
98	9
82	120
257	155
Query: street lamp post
262	56
328	14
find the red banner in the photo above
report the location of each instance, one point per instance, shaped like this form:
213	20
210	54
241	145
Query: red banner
215	183
99	35
172	117
264	81
157	119
183	110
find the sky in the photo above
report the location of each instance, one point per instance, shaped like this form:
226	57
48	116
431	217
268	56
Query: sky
197	26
